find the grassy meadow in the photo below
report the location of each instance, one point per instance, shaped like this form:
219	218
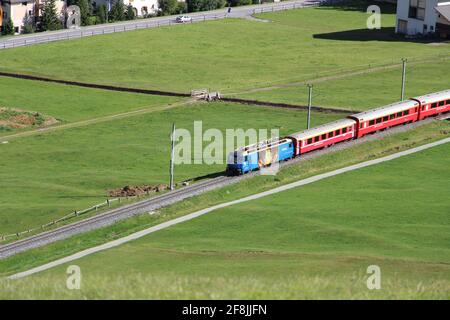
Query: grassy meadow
226	55
361	92
310	242
46	176
358	153
70	104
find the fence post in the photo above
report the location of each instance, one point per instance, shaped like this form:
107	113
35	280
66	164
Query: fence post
107	201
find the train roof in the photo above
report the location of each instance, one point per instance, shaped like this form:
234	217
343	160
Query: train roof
385	110
328	127
433	97
262	145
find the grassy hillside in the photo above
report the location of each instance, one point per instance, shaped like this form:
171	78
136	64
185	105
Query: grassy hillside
296	244
46	176
360	92
71	104
226	55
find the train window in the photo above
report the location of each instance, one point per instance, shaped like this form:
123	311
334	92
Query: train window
324	136
415	109
316	139
386	118
330	134
447	102
441	103
344	130
406	112
433	105
423	108
337	132
361	125
371	122
246	158
399	114
378	120
309	140
392	116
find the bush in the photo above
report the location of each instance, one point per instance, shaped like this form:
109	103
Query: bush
204	5
8	28
236	3
167	7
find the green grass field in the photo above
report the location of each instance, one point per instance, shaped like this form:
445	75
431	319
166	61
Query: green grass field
46	176
274	248
361	92
226	55
72	104
296	244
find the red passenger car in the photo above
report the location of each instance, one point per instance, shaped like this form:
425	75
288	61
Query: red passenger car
323	136
385	117
434	103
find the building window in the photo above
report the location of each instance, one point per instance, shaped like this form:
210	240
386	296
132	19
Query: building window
16	29
24	3
417	9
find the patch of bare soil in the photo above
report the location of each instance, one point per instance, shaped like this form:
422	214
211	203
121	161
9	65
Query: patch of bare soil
19	119
131	191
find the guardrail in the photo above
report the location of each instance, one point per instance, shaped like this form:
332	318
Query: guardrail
39	38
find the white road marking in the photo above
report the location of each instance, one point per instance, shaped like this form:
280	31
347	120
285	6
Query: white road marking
199	213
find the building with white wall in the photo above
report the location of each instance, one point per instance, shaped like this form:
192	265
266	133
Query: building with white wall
417	17
20	11
141	7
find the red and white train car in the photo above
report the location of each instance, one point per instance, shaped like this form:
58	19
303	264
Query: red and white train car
323	136
385	117
433	103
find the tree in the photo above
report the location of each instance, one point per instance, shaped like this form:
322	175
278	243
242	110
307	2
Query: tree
204	5
101	13
50	20
28	24
236	3
8	28
117	11
167	7
130	15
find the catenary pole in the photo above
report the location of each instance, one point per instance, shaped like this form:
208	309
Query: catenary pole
403	78
310	86
172	154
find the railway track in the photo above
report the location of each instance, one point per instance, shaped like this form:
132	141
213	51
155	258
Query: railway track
171	197
113	216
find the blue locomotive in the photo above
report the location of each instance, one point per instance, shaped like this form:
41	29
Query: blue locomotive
258	155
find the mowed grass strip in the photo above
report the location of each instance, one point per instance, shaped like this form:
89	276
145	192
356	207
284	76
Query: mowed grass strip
297	244
364	91
226	55
49	175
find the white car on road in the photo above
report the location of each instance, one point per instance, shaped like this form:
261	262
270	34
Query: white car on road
183	19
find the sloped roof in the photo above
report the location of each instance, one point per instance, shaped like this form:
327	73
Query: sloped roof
444	11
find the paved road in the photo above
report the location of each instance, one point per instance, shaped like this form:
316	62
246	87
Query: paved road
238	12
197	214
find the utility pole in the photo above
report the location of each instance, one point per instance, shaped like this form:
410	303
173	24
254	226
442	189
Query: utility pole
403	78
172	154
310	86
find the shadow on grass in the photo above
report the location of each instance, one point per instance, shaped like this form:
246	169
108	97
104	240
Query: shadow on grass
359	5
383	34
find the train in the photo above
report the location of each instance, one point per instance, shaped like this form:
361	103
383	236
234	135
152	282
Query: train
355	126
